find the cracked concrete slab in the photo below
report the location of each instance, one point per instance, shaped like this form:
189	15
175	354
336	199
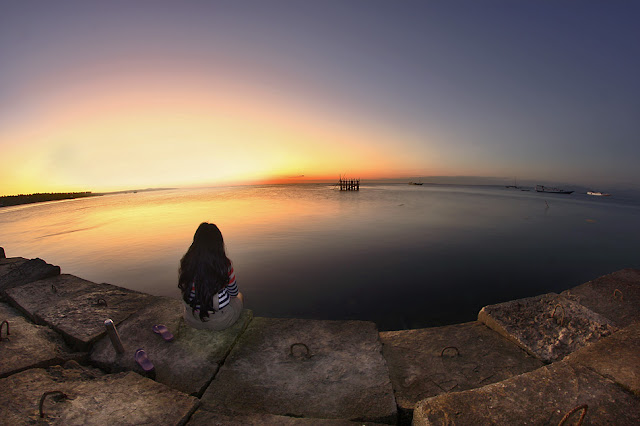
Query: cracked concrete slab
92	398
615	296
204	417
17	271
187	363
29	345
306	368
76	308
543	396
547	326
432	361
51	291
8	264
616	357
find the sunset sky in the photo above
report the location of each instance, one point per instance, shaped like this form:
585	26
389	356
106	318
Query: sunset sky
113	95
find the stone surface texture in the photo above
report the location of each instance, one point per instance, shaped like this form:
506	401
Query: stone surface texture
342	376
616	357
49	292
188	363
548	335
218	417
540	397
311	372
7	265
77	308
615	296
93	399
17	271
29	345
475	356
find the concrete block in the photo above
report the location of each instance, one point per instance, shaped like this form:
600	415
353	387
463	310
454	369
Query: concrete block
17	271
29	345
306	368
50	291
615	296
204	417
541	397
548	326
8	264
92	399
188	363
76	308
433	361
616	357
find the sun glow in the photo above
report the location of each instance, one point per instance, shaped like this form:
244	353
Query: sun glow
133	138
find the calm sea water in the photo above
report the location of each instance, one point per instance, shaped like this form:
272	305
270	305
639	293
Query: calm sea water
402	256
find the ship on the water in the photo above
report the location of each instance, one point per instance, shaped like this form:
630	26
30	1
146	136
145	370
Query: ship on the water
552	190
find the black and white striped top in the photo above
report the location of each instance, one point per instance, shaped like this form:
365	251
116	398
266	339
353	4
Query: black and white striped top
224	295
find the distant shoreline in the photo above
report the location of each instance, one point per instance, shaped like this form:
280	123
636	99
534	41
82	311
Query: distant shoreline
16	200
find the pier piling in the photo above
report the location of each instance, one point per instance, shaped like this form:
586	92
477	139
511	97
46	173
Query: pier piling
349	184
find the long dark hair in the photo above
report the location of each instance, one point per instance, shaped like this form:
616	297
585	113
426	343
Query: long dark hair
206	265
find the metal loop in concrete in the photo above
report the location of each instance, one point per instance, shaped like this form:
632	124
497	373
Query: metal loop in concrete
553	314
450	347
1	326
54	288
308	353
579	407
101	302
44	396
617	291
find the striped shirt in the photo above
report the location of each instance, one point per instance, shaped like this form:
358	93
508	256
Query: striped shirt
224	295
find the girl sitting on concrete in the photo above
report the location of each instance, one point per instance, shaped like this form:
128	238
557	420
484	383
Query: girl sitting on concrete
208	282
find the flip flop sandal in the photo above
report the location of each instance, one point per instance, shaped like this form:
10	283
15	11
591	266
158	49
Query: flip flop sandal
163	331
143	361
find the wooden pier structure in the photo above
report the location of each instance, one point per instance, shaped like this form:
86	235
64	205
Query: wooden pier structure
349	184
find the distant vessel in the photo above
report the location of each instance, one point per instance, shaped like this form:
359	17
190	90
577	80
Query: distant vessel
541	188
415	183
599	194
515	184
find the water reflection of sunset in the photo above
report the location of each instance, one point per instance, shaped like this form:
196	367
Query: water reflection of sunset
311	251
137	228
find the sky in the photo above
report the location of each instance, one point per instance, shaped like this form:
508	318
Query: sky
116	95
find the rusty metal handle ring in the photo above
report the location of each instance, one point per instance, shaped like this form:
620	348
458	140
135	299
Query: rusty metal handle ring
618	291
101	302
44	396
307	355
554	313
54	288
1	326
579	407
450	347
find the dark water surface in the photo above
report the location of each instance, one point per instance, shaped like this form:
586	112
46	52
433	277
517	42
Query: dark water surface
402	256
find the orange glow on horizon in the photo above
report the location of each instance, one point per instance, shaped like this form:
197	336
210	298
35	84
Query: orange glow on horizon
133	133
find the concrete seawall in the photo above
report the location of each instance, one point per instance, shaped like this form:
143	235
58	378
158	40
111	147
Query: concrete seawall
528	361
